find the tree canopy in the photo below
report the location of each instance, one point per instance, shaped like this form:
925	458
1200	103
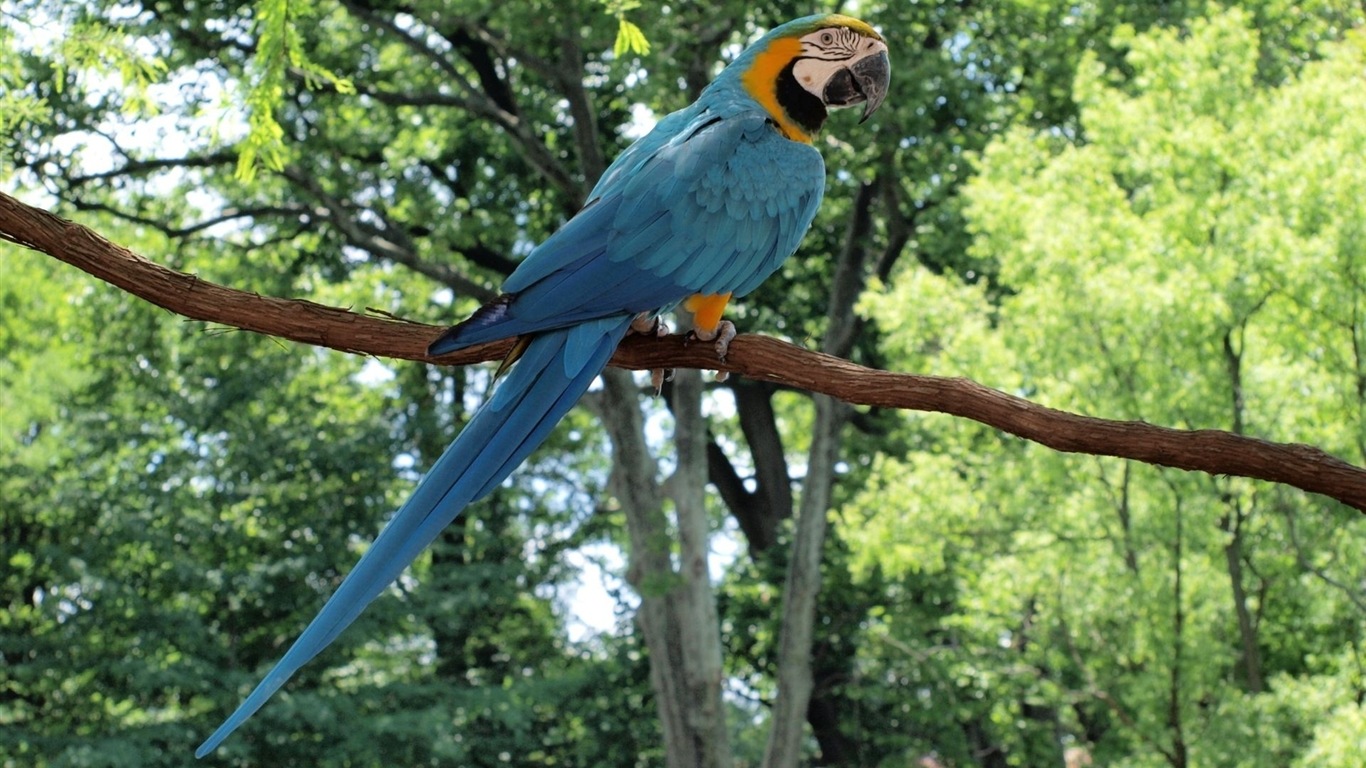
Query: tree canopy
1140	212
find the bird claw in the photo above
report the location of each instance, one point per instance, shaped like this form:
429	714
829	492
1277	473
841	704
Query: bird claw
654	325
650	325
721	336
657	378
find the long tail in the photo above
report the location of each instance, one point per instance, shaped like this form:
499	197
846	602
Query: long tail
553	373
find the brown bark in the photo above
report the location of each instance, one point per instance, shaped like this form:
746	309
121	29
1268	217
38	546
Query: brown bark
757	357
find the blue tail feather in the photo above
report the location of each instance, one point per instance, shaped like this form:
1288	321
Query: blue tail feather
555	371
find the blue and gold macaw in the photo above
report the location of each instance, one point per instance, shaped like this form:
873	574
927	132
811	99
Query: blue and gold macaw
701	210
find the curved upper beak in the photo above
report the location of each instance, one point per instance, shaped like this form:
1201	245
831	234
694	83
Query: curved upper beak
872	74
863	82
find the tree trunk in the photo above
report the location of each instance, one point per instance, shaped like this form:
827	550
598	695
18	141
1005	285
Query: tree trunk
791	706
693	598
800	590
1232	524
1178	755
677	615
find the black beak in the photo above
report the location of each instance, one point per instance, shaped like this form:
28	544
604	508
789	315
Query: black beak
865	82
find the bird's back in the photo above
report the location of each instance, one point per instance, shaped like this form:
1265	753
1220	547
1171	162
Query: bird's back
711	201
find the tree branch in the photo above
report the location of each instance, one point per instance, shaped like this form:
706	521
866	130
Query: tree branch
147	166
390	242
171	231
757	357
479	103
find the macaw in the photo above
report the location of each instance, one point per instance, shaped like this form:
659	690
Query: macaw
700	210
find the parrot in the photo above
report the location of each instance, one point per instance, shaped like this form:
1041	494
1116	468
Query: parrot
695	213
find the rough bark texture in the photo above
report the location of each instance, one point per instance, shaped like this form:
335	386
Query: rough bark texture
694	597
677	615
757	357
788	716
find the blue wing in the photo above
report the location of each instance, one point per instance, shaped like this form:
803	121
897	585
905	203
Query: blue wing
713	208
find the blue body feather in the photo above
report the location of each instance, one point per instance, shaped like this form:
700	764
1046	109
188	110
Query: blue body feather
710	202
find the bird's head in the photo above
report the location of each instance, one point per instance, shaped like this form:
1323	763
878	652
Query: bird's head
800	70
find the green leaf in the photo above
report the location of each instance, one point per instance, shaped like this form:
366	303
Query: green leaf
279	45
630	39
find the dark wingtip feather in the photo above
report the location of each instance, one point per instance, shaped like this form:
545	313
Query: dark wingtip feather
487	316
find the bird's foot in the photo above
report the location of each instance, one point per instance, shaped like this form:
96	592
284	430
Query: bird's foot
654	325
657	378
647	324
721	336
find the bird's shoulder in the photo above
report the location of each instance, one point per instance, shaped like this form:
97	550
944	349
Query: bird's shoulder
718	166
725	138
727	157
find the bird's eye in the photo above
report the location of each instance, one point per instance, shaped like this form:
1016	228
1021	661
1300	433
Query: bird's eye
827	38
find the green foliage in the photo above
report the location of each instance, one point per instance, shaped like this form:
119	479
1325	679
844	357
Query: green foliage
630	38
93	48
89	50
1195	262
177	503
279	46
1135	210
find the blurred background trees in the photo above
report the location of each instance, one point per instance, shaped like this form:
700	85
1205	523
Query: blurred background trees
1131	210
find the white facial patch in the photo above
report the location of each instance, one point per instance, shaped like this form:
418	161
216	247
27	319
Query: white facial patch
825	52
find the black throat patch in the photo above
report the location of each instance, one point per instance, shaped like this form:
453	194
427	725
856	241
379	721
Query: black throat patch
802	107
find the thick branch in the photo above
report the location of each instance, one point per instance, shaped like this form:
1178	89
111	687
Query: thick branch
758	357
